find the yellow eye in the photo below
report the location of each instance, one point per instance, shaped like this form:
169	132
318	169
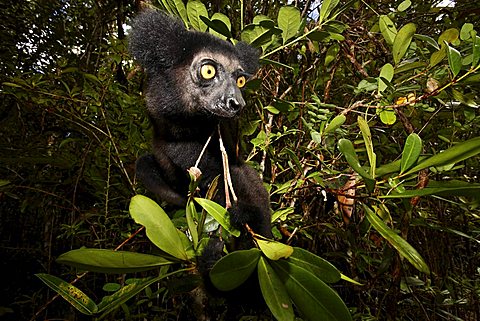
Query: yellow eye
241	81
207	71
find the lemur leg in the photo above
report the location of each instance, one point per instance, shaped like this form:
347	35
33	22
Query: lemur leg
253	206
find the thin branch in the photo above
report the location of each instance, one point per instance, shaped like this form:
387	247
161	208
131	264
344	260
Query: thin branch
226	173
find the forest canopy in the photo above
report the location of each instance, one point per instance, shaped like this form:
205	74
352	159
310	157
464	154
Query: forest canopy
363	122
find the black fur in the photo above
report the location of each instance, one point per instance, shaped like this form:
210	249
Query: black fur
186	111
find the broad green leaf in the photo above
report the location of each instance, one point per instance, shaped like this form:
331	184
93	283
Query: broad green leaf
347	149
326	9
387	116
258	36
336	122
367	138
70	293
233	269
181	10
219	213
110	261
323	269
191	215
388	29
411	151
449	35
386	72
217	27
447	188
159	228
465	31
289	21
314	299
455	154
476	51
195	9
428	40
454	59
402	246
388	168
438	56
274	292
220	25
402	41
409	66
404	5
274	250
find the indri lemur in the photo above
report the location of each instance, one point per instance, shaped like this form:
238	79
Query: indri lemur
194	85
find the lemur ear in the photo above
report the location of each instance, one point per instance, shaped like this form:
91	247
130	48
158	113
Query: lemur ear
248	56
156	40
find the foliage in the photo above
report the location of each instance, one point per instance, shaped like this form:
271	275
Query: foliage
371	105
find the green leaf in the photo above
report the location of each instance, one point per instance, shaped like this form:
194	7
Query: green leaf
336	122
274	250
476	51
314	299
404	5
289	21
449	35
465	31
258	36
388	168
455	154
387	116
191	215
454	59
219	213
274	292
217	27
159	228
110	261
402	246
195	9
70	293
323	269
411	151
386	72
221	25
388	29
428	40
181	10
367	138
347	149
234	269
409	66
447	188
402	41
326	9
438	56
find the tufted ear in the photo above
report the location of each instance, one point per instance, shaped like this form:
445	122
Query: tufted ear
248	56
156	40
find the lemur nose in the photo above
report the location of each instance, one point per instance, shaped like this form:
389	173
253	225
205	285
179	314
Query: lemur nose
234	103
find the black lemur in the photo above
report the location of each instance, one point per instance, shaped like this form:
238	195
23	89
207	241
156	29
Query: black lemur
194	84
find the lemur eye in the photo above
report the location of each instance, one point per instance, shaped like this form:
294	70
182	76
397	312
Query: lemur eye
241	81
207	71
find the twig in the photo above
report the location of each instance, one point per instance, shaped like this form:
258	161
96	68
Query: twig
226	173
203	150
